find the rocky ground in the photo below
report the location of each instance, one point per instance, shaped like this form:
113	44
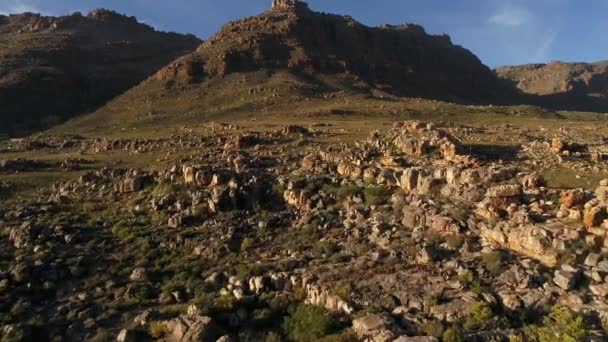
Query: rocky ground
407	235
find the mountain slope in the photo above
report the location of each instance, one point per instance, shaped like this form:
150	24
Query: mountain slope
296	52
52	68
575	85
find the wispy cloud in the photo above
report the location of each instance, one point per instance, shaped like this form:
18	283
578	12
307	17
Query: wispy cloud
16	6
511	16
542	52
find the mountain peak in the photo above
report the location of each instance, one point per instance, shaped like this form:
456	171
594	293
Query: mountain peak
404	59
289	4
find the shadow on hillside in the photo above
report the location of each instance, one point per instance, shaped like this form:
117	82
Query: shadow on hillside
492	152
569	101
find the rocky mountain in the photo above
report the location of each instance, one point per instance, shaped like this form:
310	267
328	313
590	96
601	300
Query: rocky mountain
576	85
291	56
402	60
52	68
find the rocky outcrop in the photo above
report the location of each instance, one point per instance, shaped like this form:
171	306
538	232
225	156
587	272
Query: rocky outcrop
531	241
58	67
191	328
417	139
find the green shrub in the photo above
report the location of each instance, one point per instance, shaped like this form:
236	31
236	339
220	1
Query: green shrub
246	244
433	237
469	280
349	190
452	334
492	262
272	337
326	248
309	323
376	195
433	328
455	241
480	314
157	330
123	232
560	325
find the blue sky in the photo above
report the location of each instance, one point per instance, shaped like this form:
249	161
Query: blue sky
500	32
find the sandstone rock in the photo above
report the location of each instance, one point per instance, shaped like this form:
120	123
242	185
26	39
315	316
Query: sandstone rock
502	191
558	145
595	216
129	184
126	335
602	266
374	327
320	296
370	323
565	280
510	301
573	199
139	275
416	339
529	240
196	175
600	290
601	192
453	311
592	259
298	199
532	181
191	328
294	129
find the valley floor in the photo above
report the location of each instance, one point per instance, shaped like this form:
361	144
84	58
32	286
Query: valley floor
370	219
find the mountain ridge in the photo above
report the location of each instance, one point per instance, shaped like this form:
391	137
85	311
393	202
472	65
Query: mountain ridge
56	67
579	85
403	57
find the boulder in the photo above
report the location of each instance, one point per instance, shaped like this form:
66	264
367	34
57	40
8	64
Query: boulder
565	280
375	327
558	145
416	339
592	259
129	184
594	216
139	275
528	240
191	328
573	199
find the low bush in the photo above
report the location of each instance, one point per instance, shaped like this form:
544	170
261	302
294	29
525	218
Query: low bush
560	325
480	314
309	323
492	262
433	328
376	195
